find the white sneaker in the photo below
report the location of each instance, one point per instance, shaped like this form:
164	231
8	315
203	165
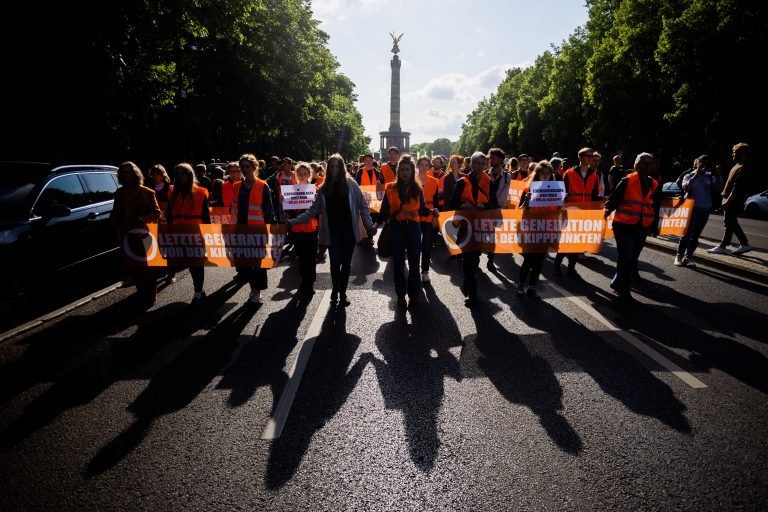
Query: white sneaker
679	262
255	297
741	249
425	277
688	262
719	250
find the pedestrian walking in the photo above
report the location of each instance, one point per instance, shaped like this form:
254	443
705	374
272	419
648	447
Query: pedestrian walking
472	192
499	188
737	188
636	203
134	207
305	237
161	183
252	204
343	207
430	186
453	175
699	185
188	204
530	270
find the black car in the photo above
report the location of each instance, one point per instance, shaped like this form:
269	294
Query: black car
51	218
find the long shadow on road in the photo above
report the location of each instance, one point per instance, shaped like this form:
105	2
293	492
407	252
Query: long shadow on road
325	387
87	380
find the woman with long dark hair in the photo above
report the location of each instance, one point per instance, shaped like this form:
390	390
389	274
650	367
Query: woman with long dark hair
341	203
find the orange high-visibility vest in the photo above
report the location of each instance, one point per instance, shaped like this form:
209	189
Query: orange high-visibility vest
431	185
319	181
635	208
365	180
578	191
189	209
519	175
408	211
440	178
255	211
483	195
389	173
226	194
307	227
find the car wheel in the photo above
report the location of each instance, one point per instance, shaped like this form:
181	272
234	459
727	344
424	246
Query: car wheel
753	211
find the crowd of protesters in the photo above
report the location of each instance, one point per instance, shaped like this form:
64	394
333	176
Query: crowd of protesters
415	190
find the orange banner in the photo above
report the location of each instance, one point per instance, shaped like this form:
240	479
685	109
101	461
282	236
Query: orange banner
520	231
674	215
221	215
373	195
516	189
198	245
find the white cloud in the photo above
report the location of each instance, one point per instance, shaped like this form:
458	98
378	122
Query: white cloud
329	11
460	87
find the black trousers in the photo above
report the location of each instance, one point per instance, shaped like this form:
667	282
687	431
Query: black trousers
731	222
470	262
306	249
572	259
530	270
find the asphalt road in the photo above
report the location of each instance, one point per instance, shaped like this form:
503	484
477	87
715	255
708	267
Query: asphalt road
755	229
570	402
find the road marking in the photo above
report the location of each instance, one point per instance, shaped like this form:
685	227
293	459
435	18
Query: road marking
632	340
61	311
274	427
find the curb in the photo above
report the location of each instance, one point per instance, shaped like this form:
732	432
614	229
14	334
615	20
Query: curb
59	312
760	275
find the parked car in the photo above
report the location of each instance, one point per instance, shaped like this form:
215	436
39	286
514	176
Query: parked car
671	189
756	206
51	218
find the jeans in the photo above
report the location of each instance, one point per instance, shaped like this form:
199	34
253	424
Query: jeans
405	238
532	263
306	250
572	259
630	240
690	240
340	252
427	237
731	222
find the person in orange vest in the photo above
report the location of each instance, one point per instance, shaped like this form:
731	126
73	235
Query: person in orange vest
404	207
367	174
388	169
453	176
430	186
234	175
581	185
305	237
472	192
188	204
252	204
636	203
530	270
499	187
438	171
134	207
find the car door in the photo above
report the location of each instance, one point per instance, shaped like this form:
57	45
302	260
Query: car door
100	189
56	242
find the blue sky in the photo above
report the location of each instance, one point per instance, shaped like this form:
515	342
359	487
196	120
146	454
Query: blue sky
454	53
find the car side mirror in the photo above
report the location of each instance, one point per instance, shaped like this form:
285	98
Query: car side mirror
50	210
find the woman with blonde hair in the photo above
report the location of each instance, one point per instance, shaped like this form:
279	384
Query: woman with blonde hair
341	203
188	204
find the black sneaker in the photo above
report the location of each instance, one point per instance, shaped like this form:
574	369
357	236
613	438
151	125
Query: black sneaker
532	293
343	300
198	300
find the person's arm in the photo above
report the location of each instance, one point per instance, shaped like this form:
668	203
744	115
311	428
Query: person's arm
379	176
362	205
596	189
458	191
423	210
524	200
616	197
359	176
654	229
384	209
266	205
310	213
206	212
688	180
169	211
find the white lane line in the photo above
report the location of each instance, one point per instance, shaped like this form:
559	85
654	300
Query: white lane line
274	427
61	311
632	340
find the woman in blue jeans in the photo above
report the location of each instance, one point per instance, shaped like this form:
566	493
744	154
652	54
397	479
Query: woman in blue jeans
403	206
341	203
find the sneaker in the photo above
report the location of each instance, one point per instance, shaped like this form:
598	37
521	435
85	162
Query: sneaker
688	262
520	290
469	302
170	279
741	249
491	266
679	262
255	297
572	274
198	298
719	250
343	300
532	293
425	277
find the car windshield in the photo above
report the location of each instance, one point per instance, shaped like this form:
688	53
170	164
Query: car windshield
15	186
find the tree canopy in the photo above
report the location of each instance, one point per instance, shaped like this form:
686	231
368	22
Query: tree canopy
676	78
172	80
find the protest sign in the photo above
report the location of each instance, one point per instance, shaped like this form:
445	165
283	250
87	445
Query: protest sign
517	231
217	245
547	193
516	189
297	197
373	194
221	215
674	215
